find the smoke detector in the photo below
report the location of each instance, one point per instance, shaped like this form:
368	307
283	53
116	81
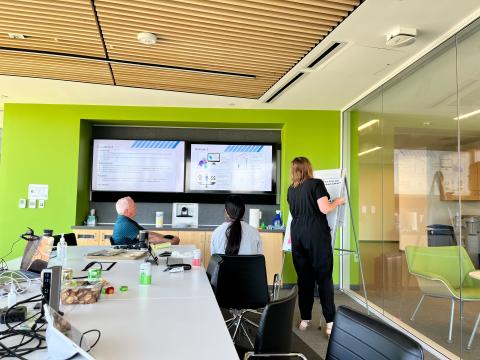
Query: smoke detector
16	36
147	38
401	37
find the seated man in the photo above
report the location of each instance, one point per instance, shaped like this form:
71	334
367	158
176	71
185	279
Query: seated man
126	230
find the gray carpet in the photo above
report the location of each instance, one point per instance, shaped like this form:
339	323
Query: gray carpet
298	344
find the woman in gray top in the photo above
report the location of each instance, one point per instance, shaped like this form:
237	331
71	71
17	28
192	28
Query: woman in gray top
235	237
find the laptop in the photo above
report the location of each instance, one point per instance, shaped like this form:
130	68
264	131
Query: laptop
63	340
35	257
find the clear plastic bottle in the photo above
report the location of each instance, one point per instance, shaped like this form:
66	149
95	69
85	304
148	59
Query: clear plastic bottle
277	220
12	296
62	251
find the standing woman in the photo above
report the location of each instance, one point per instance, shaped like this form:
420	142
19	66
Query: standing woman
311	241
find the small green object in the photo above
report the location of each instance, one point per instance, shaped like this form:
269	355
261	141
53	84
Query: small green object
104	290
145	279
94	274
123	288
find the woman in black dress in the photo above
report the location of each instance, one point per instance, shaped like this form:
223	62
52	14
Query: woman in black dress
311	241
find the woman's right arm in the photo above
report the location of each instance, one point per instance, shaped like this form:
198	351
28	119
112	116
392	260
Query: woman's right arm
326	206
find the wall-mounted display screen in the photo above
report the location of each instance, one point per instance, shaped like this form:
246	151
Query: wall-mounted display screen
236	168
138	165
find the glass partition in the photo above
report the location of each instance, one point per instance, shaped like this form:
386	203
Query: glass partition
414	165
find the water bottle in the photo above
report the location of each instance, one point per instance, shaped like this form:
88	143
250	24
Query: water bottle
62	251
277	220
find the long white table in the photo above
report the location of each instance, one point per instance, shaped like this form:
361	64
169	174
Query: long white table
176	317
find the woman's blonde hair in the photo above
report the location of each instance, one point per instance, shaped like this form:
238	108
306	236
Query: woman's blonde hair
300	170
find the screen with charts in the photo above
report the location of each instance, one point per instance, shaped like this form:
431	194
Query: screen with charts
138	165
236	168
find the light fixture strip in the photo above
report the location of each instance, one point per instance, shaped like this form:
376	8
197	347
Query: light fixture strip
467	115
369	150
127	62
368	124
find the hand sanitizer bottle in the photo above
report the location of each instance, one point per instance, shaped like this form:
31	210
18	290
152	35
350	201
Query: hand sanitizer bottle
277	220
62	251
12	296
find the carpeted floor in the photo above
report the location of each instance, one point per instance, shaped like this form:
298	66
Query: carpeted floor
312	343
298	344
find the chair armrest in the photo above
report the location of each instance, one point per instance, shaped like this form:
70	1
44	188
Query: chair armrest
251	354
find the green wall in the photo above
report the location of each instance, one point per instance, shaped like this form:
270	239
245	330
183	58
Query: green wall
50	144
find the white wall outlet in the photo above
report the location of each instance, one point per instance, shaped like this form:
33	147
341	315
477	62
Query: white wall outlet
22	203
32	203
41	204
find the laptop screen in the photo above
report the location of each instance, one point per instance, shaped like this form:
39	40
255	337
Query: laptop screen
70	334
36	254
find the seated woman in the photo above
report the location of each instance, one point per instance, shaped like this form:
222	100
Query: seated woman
235	237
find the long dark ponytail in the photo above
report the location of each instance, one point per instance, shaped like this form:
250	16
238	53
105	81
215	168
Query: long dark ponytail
235	208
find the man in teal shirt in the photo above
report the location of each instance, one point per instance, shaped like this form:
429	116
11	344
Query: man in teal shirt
126	230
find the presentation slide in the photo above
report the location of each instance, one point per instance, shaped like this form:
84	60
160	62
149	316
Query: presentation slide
238	168
138	165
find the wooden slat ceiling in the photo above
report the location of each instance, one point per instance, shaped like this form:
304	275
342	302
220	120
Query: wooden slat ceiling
211	43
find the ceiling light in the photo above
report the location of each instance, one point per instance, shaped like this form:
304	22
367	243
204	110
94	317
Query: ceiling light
401	37
367	124
467	115
147	38
369	150
16	36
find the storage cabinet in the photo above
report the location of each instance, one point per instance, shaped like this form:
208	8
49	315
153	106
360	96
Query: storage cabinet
104	239
272	249
206	253
271	242
87	237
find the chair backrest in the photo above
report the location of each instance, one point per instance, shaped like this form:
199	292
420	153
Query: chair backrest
70	239
212	269
443	261
242	282
274	334
358	336
441	235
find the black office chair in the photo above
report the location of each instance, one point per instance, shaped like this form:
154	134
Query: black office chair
70	239
274	334
358	336
240	285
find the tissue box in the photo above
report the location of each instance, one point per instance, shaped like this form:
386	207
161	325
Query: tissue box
81	292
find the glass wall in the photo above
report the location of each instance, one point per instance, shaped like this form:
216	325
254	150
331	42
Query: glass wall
414	165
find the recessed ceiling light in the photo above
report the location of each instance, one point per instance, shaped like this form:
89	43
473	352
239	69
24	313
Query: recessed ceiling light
368	124
369	150
467	115
147	38
16	36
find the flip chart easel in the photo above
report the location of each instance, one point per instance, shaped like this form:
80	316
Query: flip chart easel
336	183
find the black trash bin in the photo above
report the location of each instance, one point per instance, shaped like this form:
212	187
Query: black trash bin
441	235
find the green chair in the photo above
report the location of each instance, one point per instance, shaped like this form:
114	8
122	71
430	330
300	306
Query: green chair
440	275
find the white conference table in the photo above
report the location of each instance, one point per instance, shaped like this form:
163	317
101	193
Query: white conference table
176	317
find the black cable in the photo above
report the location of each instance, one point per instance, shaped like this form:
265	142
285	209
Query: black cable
28	336
4	264
96	341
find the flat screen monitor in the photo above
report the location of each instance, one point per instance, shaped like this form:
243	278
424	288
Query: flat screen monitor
236	168
138	165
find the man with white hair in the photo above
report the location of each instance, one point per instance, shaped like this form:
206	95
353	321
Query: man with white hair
126	230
